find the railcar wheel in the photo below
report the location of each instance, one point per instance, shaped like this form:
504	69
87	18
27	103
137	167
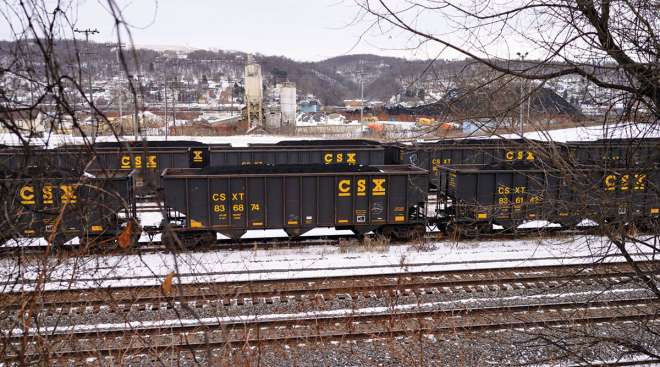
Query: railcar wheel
459	231
187	240
650	226
404	232
455	231
57	243
97	243
569	224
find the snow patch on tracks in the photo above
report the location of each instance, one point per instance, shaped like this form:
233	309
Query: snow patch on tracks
306	262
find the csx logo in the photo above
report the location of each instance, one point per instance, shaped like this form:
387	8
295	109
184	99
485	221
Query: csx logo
623	182
349	158
519	155
198	156
67	194
377	188
437	162
127	163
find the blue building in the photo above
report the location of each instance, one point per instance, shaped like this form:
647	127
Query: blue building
309	106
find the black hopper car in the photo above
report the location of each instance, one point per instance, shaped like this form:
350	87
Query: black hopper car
296	198
473	198
96	207
466	184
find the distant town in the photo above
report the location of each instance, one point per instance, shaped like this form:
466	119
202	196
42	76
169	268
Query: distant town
223	93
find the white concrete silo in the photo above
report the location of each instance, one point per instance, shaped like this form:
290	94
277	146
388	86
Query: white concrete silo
253	93
288	103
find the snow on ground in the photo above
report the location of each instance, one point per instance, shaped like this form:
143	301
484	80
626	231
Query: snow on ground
585	133
582	133
313	261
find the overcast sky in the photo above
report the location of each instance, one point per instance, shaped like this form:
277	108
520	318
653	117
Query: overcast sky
299	29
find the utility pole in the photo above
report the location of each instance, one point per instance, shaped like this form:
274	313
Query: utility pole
361	98
522	94
165	93
120	88
175	97
95	125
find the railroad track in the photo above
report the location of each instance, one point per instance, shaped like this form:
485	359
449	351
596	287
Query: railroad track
216	333
79	342
200	295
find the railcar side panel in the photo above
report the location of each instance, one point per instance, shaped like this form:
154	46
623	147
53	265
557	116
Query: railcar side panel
231	203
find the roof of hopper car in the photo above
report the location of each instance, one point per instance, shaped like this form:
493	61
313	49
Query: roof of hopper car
618	141
486	168
475	141
322	143
33	172
150	144
296	170
285	168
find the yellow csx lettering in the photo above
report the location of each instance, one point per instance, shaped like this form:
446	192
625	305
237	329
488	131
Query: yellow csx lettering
27	195
327	158
344	187
348	158
219	197
519	155
503	190
622	182
125	162
378	188
197	156
68	194
519	189
640	182
361	187
237	196
47	192
152	162
610	182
